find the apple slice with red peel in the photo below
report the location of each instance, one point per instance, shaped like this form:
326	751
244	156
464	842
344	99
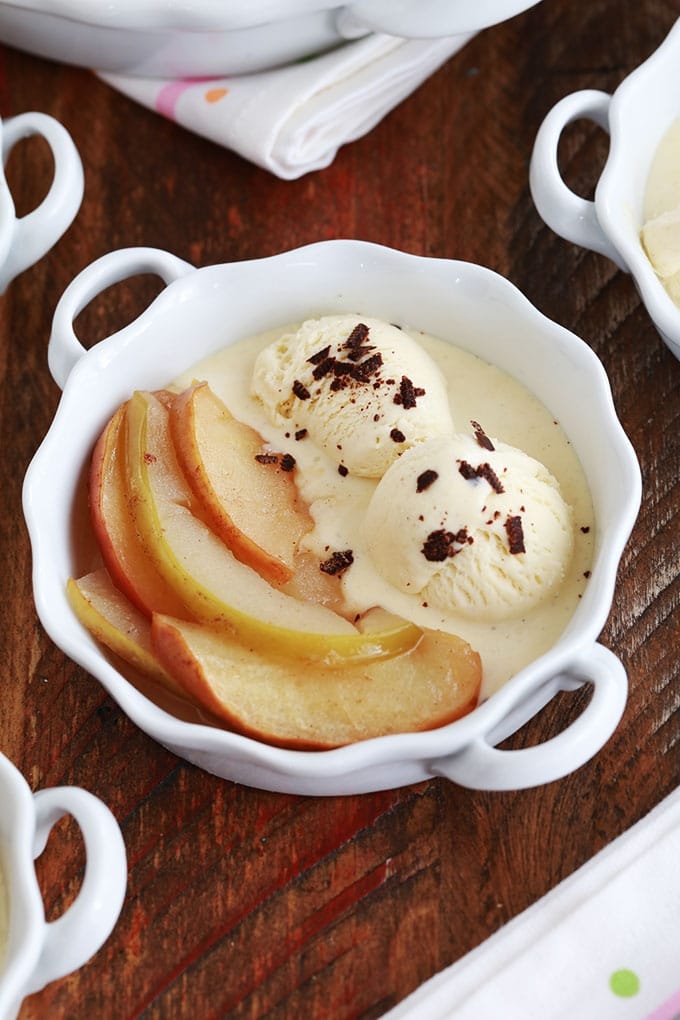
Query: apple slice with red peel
314	707
113	620
215	586
245	493
114	527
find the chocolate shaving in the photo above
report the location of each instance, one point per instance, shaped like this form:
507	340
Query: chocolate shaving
300	390
357	353
442	545
484	470
408	393
324	367
286	461
481	436
338	562
320	355
397	436
357	336
343	470
300	434
515	533
363	371
426	479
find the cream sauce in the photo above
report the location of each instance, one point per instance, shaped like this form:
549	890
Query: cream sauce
477	391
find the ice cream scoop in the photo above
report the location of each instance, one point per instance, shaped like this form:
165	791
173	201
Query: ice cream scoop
471	525
364	390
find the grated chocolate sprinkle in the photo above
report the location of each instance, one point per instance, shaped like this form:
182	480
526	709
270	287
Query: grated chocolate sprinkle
323	367
397	436
442	545
300	434
481	436
320	355
287	462
343	470
300	390
267	458
426	479
338	562
484	471
357	336
408	393
515	533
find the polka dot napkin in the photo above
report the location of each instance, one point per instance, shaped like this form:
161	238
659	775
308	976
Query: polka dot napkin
294	119
603	945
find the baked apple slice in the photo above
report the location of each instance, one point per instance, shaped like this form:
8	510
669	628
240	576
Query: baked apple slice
246	494
114	527
113	620
290	705
215	586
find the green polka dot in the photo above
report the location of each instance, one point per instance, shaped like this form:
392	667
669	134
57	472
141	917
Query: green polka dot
624	983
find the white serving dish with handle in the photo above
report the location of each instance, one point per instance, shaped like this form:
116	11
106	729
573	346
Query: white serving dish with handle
160	38
37	952
201	311
636	117
25	239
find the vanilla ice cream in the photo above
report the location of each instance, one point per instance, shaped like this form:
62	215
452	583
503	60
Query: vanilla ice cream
365	391
471	525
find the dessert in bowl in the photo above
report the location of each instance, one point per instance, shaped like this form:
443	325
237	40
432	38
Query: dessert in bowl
158	38
638	117
34	952
202	315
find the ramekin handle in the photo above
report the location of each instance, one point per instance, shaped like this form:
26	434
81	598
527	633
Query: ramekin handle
36	232
84	927
480	766
569	215
64	348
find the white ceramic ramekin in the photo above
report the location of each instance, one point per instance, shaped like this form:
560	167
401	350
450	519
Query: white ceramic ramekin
24	240
159	38
202	310
37	952
636	117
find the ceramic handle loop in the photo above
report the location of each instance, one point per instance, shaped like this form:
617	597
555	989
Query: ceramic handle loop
480	766
569	215
84	927
37	231
64	349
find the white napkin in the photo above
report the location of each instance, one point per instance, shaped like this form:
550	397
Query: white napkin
603	945
293	119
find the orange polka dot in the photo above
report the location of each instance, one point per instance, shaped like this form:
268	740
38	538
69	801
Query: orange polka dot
214	95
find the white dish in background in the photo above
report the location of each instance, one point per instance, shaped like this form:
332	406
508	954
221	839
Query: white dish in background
636	116
159	38
25	239
38	952
459	302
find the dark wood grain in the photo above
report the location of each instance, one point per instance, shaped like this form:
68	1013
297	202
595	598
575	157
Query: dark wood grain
248	904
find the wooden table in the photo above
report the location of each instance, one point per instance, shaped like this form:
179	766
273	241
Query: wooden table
249	904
